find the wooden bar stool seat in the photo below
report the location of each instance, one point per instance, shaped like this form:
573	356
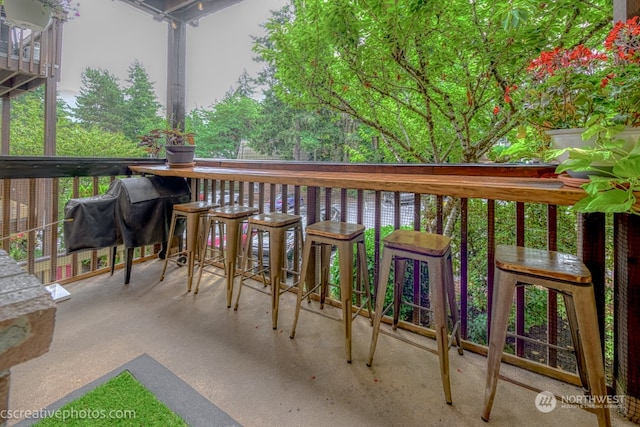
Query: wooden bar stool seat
343	236
567	275
277	225
191	212
435	251
229	220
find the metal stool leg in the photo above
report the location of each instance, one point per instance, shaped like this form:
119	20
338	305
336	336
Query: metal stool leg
437	270
276	248
400	270
231	255
589	343
306	259
503	290
385	269
453	307
364	275
172	229
345	250
245	260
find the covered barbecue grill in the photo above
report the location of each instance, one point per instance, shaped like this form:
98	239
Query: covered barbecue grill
133	212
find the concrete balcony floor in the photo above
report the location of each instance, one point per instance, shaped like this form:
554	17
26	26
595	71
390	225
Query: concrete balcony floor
260	376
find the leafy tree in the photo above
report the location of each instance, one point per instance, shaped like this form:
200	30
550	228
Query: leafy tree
101	101
296	133
436	81
141	105
221	129
73	139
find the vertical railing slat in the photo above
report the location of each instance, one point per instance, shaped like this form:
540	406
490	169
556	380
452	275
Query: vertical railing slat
464	266
491	255
552	298
520	291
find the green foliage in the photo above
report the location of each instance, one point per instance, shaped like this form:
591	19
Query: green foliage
289	131
18	246
72	139
432	80
580	86
613	165
528	147
221	129
141	105
101	101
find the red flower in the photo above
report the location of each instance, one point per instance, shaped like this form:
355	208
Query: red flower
496	109
623	40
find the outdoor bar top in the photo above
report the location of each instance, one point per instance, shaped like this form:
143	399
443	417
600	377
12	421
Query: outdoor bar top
518	189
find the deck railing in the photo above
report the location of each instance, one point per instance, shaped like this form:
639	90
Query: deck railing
28	57
33	192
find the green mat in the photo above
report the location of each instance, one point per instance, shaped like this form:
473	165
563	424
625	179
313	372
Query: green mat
140	376
120	400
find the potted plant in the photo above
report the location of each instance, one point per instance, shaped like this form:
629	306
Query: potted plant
579	92
179	146
613	169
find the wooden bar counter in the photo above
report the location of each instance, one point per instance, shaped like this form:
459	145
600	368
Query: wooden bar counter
517	189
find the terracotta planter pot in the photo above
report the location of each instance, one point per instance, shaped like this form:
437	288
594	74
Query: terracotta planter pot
30	14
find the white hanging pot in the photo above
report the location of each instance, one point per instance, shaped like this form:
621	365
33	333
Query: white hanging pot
30	14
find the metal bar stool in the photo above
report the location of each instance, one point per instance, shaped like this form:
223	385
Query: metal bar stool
229	218
435	251
343	236
567	275
192	212
277	225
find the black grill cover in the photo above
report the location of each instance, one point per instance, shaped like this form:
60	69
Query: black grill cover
134	212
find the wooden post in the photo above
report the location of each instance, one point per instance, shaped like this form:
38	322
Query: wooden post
6	126
591	229
626	350
624	9
176	73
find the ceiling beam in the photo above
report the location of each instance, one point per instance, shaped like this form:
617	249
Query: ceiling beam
184	11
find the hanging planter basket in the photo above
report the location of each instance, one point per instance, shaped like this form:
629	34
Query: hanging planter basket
30	14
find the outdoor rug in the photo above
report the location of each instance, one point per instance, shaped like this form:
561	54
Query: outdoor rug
177	395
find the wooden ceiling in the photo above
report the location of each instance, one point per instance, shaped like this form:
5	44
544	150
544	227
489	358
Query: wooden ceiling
180	11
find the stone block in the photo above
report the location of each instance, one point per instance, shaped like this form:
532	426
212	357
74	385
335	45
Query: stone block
27	315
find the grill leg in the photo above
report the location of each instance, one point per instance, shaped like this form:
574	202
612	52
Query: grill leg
129	262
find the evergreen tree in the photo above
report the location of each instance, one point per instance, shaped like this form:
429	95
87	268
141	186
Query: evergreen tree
296	133
101	101
141	105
